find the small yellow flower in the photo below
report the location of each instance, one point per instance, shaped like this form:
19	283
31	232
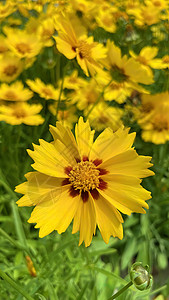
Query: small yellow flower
154	118
45	31
46	91
86	95
10	67
126	70
89	182
73	81
67	117
18	113
145	15
73	42
103	116
6	9
106	17
14	92
147	58
22	44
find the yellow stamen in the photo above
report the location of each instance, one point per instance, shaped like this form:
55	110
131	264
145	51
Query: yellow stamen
84	176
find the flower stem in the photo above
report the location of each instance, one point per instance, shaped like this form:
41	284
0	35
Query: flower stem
17	287
121	291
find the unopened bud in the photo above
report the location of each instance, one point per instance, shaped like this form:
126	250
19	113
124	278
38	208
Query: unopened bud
140	276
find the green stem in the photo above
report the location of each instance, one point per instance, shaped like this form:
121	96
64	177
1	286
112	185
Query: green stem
121	291
17	287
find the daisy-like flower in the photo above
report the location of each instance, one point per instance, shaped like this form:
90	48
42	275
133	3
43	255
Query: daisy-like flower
147	58
10	67
103	116
126	70
153	117
73	81
86	95
21	112
155	128
15	92
67	117
6	9
46	91
89	182
73	42
23	44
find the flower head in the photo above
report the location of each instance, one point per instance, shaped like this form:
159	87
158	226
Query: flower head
73	42
46	91
21	112
14	92
10	67
89	182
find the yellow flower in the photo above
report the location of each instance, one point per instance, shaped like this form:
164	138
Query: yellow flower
126	70
10	67
73	81
46	91
23	44
159	4
155	128
148	104
18	113
103	116
6	9
14	92
147	58
86	95
73	42
86	181
45	31
66	117
145	15
106	18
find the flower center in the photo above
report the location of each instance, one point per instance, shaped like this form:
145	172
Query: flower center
10	70
10	95
84	49
19	113
23	48
47	92
84	176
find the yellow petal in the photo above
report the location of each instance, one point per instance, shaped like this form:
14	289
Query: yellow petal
84	137
129	163
108	219
56	216
109	143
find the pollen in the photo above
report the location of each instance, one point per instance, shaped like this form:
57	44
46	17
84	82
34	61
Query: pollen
84	176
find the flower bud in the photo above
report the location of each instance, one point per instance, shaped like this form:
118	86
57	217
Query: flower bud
140	276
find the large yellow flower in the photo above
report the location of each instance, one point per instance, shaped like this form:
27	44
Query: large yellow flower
14	92
73	42
21	112
86	181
